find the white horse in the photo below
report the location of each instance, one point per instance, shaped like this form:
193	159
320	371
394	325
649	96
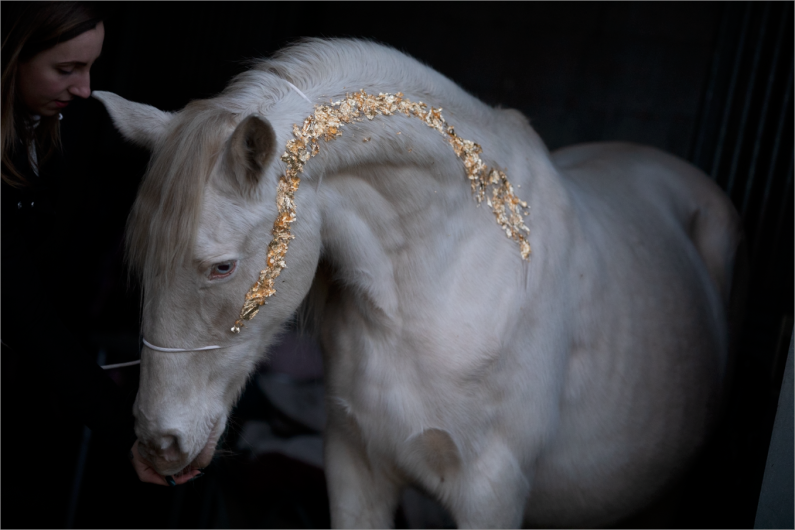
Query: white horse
568	389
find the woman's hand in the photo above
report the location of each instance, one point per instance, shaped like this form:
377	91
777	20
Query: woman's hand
146	473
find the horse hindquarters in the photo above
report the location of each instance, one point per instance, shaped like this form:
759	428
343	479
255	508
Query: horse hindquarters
716	231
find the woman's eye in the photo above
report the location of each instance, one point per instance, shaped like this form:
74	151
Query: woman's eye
64	72
223	269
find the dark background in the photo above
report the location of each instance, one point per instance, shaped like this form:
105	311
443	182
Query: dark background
709	82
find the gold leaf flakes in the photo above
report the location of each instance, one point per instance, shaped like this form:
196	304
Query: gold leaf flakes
326	122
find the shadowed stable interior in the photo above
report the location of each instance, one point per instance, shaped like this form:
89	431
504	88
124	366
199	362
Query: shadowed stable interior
709	82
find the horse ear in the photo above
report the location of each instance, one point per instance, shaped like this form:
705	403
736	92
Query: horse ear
139	123
251	148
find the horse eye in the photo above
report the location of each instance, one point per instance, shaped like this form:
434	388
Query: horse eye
223	269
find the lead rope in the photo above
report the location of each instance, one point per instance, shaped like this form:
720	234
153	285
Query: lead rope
110	366
120	365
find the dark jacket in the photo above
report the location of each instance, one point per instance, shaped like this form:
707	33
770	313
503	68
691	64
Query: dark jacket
53	253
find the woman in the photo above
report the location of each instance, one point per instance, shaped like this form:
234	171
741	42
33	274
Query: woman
48	50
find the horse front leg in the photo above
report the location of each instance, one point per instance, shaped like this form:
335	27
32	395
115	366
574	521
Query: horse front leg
361	494
491	491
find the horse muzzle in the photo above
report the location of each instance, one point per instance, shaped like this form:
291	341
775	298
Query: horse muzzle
170	453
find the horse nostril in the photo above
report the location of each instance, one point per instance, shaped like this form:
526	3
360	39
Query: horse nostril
169	448
164	447
167	441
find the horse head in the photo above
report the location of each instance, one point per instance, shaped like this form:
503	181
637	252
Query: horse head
198	237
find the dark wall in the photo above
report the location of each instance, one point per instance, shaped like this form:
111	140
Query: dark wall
580	71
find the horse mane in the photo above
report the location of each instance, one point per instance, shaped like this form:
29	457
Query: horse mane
163	223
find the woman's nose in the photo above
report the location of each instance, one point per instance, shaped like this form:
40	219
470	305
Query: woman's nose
81	88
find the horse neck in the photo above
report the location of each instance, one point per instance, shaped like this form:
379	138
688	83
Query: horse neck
397	207
394	197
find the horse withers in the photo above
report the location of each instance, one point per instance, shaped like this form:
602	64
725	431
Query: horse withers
531	338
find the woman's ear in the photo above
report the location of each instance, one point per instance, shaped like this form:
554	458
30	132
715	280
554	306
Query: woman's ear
139	123
251	148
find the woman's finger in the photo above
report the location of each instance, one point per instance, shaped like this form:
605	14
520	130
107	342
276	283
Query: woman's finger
187	476
146	473
144	469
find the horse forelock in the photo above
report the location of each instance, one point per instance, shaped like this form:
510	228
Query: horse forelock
162	226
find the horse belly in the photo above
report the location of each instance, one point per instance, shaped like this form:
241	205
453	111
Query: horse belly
636	410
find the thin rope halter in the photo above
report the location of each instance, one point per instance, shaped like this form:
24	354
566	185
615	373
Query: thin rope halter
297	90
214	347
326	122
158	348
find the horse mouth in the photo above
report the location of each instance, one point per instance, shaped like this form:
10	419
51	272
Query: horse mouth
205	456
200	461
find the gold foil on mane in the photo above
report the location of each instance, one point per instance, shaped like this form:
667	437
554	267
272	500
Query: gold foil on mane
326	122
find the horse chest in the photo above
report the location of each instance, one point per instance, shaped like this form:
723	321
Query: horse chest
394	393
407	428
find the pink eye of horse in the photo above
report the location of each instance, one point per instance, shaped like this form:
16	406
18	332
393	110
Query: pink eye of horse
221	270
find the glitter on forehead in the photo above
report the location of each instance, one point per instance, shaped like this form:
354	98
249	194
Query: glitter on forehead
326	123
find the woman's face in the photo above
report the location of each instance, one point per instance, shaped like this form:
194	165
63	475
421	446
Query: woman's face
52	78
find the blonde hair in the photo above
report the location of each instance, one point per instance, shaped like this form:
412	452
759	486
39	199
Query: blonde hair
28	29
